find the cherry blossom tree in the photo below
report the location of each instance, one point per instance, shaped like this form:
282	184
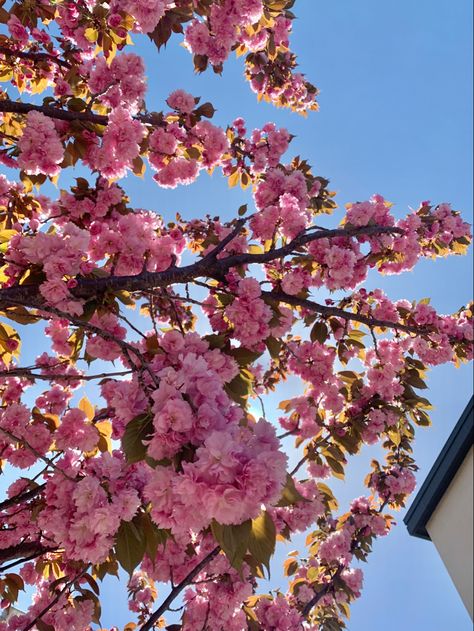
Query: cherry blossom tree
173	473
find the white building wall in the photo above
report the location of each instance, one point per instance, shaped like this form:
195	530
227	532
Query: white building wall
451	530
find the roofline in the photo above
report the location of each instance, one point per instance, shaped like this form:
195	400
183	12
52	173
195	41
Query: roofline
441	474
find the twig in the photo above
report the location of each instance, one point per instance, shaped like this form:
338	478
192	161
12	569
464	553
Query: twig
55	600
178	589
322	592
226	240
280	296
37	453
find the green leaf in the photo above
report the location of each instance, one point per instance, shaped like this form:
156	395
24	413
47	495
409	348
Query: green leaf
414	379
319	333
20	315
239	389
262	539
274	346
130	546
139	429
153	535
337	468
290	495
243	356
233	539
216	341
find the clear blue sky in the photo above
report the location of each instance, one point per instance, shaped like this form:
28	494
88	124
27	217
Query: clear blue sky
395	119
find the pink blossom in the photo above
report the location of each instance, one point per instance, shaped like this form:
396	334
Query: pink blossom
181	101
41	150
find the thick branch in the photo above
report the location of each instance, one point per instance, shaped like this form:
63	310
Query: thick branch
36	57
207	267
178	589
22	550
28	374
21	497
16	107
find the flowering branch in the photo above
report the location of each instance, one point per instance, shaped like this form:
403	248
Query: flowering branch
178	589
27	295
36	57
17	107
44	611
22	497
324	310
23	550
26	373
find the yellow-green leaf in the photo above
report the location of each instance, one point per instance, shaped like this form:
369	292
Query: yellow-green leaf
233	539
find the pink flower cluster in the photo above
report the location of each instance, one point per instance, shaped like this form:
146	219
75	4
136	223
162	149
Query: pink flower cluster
264	147
192	375
385	367
66	613
302	515
120	145
377	422
141	592
278	615
314	363
393	483
282	200
146	13
215	38
60	254
236	471
75	432
169	145
41	150
83	515
340	263
219	602
276	81
249	315
120	84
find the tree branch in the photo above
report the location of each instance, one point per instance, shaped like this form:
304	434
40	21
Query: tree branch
17	107
322	592
27	374
27	295
280	296
36	57
21	550
178	589
22	497
55	600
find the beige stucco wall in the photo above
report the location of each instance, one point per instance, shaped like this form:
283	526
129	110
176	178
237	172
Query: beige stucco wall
451	530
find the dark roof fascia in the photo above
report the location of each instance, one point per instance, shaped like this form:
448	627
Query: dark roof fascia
441	474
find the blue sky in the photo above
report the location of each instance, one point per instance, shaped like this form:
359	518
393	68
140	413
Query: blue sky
395	119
